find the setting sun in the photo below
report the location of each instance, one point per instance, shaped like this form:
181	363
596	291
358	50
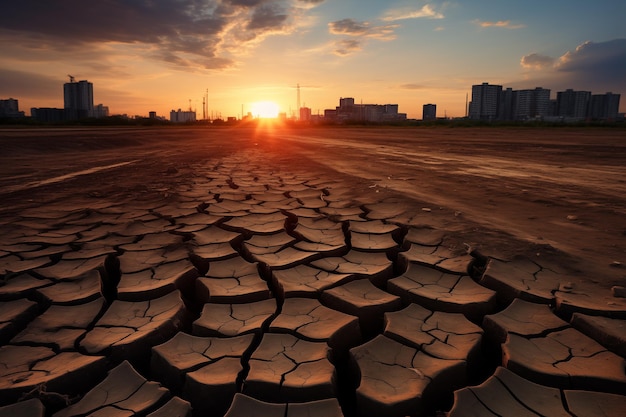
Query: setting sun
264	109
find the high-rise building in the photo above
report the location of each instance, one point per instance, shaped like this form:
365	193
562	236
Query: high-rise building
507	104
429	112
573	104
305	114
485	101
78	99
604	106
531	104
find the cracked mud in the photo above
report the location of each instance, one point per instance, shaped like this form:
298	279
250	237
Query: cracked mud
243	286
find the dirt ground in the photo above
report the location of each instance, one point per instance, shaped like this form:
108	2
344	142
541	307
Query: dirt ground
554	193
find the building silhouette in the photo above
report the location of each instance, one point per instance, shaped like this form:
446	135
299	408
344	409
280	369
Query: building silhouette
181	116
305	114
78	99
604	106
491	102
77	104
10	108
485	104
429	112
348	111
48	114
573	104
530	104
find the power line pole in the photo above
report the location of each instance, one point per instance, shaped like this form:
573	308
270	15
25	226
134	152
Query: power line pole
298	104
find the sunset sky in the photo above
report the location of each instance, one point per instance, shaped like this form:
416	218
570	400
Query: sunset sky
157	55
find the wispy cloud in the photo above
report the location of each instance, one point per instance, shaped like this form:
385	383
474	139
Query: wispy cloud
357	29
505	24
351	27
412	86
347	46
426	12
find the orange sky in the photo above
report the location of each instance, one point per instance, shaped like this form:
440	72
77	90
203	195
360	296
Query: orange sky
161	56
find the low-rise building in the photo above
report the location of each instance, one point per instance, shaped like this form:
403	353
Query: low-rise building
10	108
181	116
348	111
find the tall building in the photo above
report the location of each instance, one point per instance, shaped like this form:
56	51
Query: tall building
485	101
10	108
305	114
531	104
78	99
573	104
507	104
604	106
429	112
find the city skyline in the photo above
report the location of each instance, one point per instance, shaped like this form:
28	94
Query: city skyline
146	57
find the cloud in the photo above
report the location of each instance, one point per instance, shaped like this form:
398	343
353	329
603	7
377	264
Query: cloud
427	11
603	58
536	61
310	3
594	66
352	27
412	86
26	84
184	33
506	24
268	17
347	47
362	30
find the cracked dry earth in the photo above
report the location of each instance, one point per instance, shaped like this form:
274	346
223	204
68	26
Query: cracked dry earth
257	290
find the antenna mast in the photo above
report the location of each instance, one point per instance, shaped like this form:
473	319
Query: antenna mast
72	79
203	108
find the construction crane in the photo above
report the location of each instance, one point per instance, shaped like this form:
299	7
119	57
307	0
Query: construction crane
71	78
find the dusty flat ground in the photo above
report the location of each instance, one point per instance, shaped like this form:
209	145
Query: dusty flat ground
347	271
554	192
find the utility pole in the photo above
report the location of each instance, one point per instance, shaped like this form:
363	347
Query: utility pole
298	104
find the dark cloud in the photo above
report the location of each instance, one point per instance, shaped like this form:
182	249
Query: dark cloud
594	66
246	3
268	17
203	33
348	27
598	60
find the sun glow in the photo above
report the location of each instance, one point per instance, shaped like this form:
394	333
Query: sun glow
264	109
